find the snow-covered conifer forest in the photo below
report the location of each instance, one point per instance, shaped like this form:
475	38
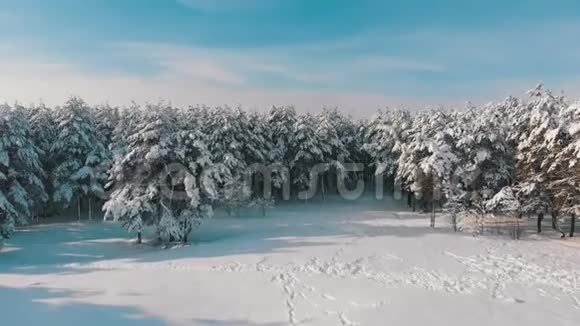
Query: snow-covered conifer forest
169	167
406	201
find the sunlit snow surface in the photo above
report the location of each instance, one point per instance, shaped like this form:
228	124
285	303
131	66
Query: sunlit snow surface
348	263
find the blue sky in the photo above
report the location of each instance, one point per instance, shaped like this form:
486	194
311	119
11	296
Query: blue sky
359	55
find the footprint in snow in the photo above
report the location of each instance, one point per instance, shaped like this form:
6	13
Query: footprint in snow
513	300
328	297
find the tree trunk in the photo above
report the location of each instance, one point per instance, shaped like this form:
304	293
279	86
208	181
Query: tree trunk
557	224
518	230
433	214
323	187
90	210
410	199
454	220
139	237
540	219
572	225
79	208
414	202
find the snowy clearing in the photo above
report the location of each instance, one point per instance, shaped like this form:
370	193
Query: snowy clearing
363	263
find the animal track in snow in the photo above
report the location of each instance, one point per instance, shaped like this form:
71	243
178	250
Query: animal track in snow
498	271
328	297
489	271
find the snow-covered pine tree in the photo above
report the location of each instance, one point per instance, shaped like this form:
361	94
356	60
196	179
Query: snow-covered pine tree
329	125
105	119
164	179
412	151
486	157
361	155
509	120
281	122
540	131
80	158
439	165
505	203
348	133
562	164
195	117
43	132
571	154
427	159
196	180
307	151
127	123
21	186
262	147
42	128
139	171
258	146
385	136
351	134
234	148
456	202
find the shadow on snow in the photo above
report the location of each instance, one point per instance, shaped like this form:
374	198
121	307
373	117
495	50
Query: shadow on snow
32	306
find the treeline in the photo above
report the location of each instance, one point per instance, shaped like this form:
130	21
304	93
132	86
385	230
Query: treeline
168	167
515	157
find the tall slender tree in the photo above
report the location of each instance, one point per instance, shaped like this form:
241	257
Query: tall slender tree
21	173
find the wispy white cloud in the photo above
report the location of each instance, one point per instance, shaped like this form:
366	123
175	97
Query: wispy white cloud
31	80
34	81
195	63
390	63
241	66
328	73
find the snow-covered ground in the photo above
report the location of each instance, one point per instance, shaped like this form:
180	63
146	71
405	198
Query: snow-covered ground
364	263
